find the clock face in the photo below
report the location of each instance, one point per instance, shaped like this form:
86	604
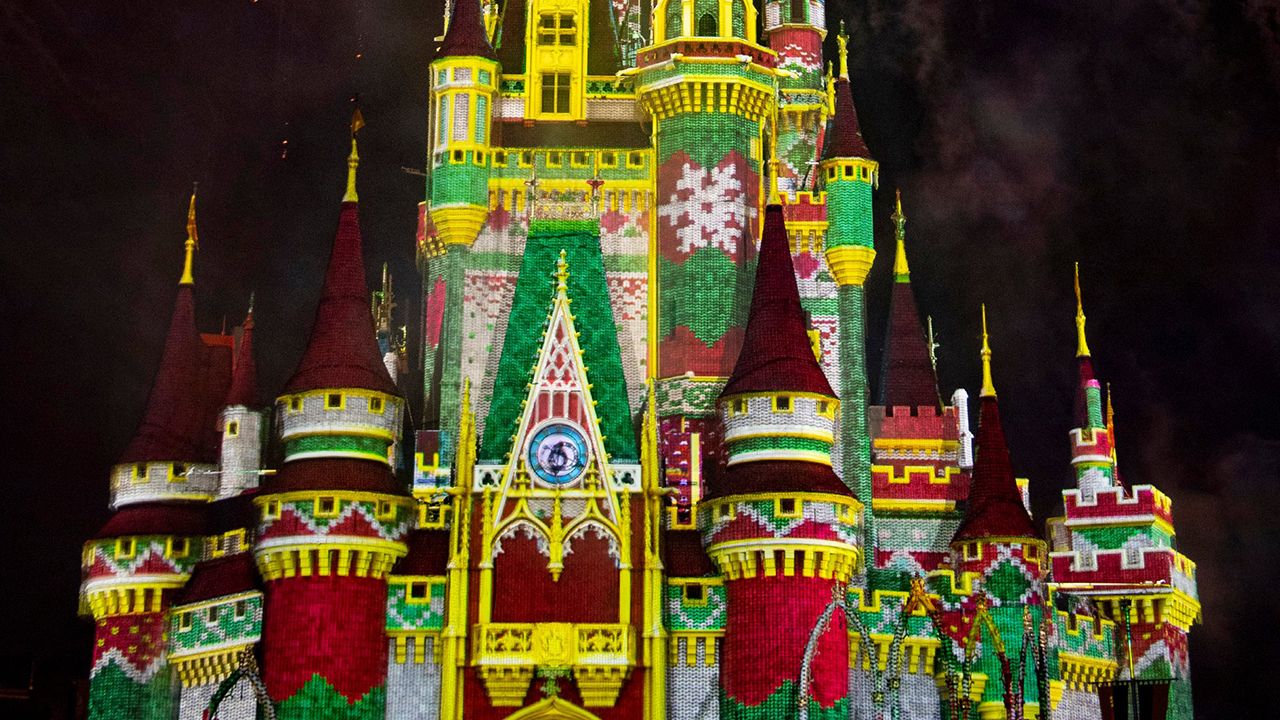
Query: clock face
558	454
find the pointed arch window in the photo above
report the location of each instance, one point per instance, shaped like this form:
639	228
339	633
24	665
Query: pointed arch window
708	25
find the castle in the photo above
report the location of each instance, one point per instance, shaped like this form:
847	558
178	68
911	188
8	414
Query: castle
649	479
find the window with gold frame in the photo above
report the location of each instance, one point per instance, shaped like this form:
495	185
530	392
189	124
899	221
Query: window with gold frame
557	28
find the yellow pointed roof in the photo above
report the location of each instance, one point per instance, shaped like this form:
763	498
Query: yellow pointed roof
191	244
353	162
901	271
1082	343
988	387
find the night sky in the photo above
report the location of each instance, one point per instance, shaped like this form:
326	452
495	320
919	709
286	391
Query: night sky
1140	137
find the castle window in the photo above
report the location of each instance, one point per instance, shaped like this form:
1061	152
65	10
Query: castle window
416	592
295	404
848	171
695	594
788	507
635	159
972	551
140	473
457	156
724	511
557	29
555	93
326	506
241	609
578	159
333	401
271	510
500	158
178	547
480	157
126	548
797	11
386	510
554	159
177	472
708	25
212	614
526	158
782	403
740	406
826	409
375	405
233	428
609	159
1031	552
184	621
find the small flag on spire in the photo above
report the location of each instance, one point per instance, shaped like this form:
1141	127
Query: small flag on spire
357	122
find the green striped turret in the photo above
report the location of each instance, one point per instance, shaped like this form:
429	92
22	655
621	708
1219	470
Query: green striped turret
850	175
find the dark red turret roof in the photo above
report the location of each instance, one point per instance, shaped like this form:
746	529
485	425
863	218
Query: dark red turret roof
244	378
157	518
343	350
776	353
217	381
172	427
907	377
845	139
466	35
995	508
219	577
334	474
778	477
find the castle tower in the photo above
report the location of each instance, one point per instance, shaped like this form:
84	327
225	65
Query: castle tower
918	478
849	175
464	90
216	620
1000	554
709	89
780	525
1117	546
243	421
795	30
145	552
333	518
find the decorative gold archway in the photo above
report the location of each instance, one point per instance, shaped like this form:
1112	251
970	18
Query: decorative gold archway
552	708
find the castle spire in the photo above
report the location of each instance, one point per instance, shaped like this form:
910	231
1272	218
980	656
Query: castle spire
244	378
343	349
192	242
1082	344
466	36
842	41
776	353
988	387
995	509
353	162
172	427
908	376
901	271
846	133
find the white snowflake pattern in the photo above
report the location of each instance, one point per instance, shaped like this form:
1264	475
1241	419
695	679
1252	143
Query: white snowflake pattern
708	209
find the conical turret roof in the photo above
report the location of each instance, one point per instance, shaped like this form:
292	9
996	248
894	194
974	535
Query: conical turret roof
845	139
995	508
466	34
244	378
343	349
776	353
172	427
908	376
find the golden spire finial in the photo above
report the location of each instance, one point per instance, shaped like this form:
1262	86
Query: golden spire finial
353	162
831	89
842	40
192	242
1082	344
988	387
774	164
901	271
562	273
1111	426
